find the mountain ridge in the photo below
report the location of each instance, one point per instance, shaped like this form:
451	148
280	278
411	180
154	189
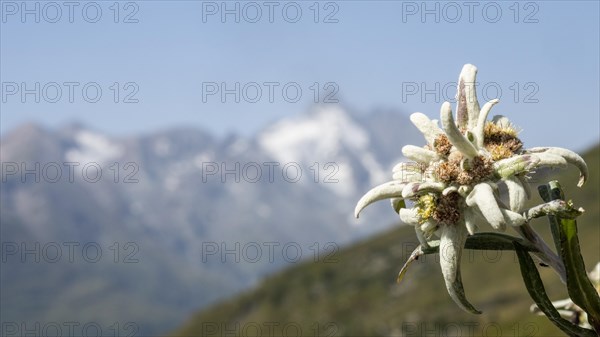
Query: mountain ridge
156	195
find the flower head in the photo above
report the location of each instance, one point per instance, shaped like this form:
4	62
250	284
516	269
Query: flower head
452	183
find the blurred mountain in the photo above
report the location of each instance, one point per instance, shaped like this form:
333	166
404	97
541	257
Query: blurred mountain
178	219
354	293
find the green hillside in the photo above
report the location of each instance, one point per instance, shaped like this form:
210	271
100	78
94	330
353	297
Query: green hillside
357	295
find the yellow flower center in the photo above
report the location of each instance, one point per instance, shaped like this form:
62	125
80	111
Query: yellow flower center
425	207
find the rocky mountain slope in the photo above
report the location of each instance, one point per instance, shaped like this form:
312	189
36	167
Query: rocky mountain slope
146	229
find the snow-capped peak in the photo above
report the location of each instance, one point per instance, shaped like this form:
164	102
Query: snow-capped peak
326	135
93	147
313	137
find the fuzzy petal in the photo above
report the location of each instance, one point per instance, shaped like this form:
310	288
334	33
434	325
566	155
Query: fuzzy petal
467	106
452	242
429	227
421	237
414	256
454	135
525	184
391	189
478	131
428	128
473	219
550	160
419	154
517	195
483	197
515	165
449	190
512	218
413	189
472	227
409	216
571	158
407	172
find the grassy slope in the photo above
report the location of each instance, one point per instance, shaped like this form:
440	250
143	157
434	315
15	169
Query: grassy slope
358	296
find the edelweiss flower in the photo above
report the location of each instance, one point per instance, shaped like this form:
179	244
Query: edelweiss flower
452	185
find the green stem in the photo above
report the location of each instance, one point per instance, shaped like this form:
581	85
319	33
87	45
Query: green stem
580	288
543	251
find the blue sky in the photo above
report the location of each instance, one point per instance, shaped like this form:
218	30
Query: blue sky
543	57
